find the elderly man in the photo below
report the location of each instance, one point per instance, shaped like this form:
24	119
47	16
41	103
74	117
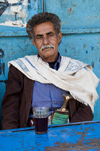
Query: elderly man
41	80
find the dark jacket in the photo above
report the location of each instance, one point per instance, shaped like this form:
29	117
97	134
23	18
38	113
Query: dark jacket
17	102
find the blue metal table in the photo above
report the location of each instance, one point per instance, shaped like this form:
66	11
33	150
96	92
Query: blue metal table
83	136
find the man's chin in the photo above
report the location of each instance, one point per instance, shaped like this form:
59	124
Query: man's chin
49	57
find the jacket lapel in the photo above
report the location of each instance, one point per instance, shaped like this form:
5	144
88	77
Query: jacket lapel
28	95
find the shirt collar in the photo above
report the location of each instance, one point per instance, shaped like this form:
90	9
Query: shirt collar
59	58
57	63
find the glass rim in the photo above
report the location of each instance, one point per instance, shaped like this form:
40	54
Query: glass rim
40	108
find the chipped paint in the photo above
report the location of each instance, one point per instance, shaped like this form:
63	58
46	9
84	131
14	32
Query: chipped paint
70	10
74	5
92	47
63	23
84	46
96	16
87	18
72	136
16	9
97	44
18	23
86	51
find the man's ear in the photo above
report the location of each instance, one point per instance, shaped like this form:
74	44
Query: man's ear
59	37
33	43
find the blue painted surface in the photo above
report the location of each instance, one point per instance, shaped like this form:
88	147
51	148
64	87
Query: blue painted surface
71	137
76	14
80	23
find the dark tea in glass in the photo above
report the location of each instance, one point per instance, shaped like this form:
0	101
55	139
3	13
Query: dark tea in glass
41	125
41	119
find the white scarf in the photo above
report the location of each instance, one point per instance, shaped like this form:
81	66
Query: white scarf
73	76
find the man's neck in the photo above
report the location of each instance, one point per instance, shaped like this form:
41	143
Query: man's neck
55	64
50	60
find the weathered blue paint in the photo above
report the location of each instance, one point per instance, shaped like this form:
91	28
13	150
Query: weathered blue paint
75	14
80	23
71	137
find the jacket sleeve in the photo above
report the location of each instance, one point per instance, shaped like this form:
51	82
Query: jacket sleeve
79	112
11	100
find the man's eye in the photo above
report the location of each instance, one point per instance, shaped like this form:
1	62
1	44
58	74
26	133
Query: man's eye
51	35
39	37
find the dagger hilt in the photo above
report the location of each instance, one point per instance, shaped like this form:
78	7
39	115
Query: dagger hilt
67	97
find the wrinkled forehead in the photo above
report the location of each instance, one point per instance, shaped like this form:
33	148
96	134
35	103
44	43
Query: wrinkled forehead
44	28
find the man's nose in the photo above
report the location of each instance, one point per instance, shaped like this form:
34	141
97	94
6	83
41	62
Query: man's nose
45	40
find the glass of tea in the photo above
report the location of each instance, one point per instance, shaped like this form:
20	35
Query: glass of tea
41	119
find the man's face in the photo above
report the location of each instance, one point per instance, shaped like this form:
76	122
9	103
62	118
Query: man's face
45	35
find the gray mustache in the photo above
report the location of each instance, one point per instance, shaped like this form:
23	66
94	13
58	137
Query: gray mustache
47	46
